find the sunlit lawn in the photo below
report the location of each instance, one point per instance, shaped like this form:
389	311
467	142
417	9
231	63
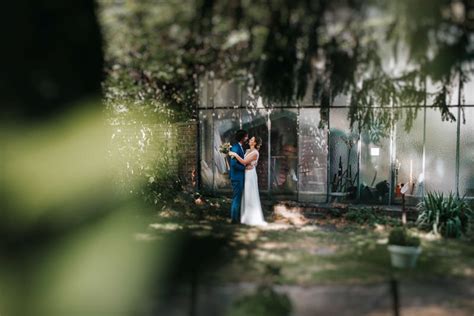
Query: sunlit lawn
325	251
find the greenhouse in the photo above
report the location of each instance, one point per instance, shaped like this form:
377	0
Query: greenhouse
300	160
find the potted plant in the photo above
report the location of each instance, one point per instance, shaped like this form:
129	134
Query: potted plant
404	249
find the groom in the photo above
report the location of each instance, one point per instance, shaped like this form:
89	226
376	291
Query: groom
237	175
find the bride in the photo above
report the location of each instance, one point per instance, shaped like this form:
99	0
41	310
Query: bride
251	209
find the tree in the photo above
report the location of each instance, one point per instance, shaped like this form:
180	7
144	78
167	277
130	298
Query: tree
281	48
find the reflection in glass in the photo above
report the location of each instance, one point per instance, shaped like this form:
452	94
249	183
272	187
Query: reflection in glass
255	123
226	124
284	152
409	160
468	93
313	151
440	153
343	156
375	164
206	132
466	162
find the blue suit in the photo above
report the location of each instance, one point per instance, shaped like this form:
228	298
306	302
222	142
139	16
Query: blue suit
237	178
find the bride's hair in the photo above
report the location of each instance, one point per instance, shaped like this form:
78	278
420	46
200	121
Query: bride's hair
258	142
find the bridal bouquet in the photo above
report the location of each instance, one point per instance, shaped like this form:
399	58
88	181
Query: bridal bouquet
225	148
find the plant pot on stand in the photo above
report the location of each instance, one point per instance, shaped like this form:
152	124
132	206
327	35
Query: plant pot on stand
404	249
403	256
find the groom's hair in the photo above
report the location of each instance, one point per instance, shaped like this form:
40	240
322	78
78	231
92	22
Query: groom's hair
240	135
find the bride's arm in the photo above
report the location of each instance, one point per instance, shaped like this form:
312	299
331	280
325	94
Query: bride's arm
245	161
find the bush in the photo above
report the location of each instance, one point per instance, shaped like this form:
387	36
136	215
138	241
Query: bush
449	216
361	216
264	302
400	237
370	217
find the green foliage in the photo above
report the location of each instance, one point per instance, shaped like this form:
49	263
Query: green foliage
400	237
146	58
265	302
449	216
147	160
361	216
281	49
334	212
369	217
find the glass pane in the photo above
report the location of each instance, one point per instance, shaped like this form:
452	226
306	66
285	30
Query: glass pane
206	131
313	154
468	92
343	156
308	97
466	168
255	123
409	160
440	153
375	165
226	94
204	93
453	95
284	152
342	100
226	124
432	89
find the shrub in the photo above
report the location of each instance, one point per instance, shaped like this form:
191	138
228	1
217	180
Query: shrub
361	216
400	237
264	302
369	216
449	216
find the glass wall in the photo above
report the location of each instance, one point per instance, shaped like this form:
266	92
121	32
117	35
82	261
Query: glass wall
226	124
375	165
440	144
205	92
207	154
466	154
298	160
343	156
408	163
255	121
313	156
225	94
284	152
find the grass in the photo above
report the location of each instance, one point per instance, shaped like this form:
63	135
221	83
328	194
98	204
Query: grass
327	251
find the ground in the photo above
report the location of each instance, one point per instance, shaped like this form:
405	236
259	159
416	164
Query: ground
328	257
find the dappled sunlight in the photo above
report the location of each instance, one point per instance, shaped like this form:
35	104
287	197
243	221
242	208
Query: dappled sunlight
276	227
274	245
269	256
247	235
166	226
145	237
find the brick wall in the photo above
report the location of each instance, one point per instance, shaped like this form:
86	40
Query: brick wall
148	145
187	152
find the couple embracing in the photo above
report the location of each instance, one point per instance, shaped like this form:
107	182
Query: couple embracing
246	207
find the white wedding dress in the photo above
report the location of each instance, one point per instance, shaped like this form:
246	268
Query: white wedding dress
251	209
